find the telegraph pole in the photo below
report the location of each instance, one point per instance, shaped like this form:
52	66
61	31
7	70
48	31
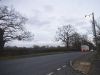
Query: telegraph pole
94	28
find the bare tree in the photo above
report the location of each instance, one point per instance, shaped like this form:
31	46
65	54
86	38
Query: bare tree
84	39
11	26
76	40
64	34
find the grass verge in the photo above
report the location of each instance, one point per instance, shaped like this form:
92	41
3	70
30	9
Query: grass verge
29	55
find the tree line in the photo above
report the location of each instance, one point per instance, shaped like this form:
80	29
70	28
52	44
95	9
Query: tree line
72	39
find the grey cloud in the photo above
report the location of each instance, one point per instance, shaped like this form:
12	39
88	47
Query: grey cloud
48	8
81	23
38	22
68	20
75	21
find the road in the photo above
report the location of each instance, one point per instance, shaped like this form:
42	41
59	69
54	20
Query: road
42	65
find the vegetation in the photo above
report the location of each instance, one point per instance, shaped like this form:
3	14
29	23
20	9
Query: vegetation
11	26
10	52
71	38
64	34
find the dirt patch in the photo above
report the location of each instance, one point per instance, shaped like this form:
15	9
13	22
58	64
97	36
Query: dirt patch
82	66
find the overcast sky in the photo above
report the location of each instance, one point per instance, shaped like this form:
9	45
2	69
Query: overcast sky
45	16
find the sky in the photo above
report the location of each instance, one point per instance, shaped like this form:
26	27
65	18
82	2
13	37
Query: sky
45	16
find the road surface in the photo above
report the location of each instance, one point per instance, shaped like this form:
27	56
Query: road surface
42	65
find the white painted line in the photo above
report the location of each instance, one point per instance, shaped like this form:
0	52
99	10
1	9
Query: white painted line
71	63
64	66
59	69
50	73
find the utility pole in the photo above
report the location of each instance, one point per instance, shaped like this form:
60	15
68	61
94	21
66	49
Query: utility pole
93	27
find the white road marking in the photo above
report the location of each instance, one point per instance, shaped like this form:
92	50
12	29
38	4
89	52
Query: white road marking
64	66
50	73
71	64
59	69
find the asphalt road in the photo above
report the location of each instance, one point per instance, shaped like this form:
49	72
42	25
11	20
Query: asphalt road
42	65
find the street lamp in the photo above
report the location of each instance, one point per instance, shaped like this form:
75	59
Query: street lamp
93	27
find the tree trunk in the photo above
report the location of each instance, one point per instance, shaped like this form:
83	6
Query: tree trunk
2	42
67	44
67	40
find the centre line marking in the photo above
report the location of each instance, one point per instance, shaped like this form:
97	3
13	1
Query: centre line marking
64	66
59	69
50	73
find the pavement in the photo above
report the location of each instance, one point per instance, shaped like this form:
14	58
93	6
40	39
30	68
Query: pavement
83	64
88	65
57	64
95	69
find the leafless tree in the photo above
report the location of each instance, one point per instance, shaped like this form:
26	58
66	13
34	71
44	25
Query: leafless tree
76	40
11	26
64	34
